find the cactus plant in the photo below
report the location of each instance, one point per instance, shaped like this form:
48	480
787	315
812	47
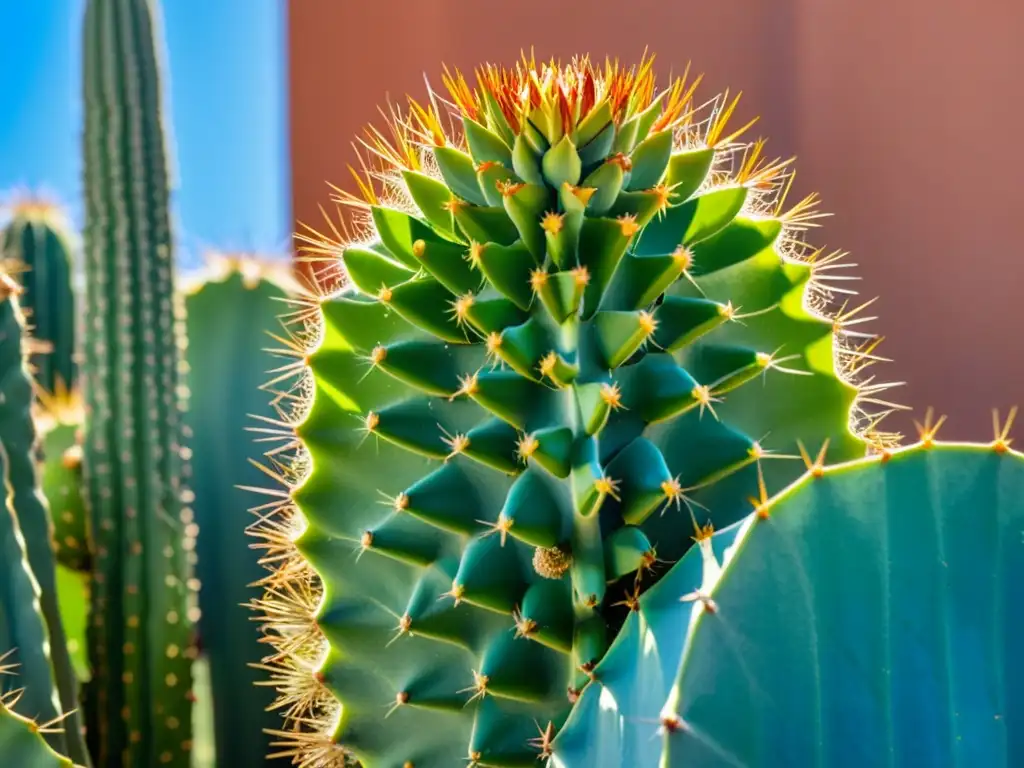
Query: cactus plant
567	326
32	624
36	244
863	617
140	638
232	308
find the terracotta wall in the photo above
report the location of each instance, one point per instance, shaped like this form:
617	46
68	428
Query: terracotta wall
905	115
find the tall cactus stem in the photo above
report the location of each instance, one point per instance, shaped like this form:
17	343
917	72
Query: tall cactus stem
141	644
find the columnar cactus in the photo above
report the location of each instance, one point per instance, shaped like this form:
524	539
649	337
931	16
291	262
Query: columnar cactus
141	642
866	616
572	324
232	310
37	245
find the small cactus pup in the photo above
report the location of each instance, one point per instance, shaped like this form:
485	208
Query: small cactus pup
865	616
22	741
141	643
233	306
30	619
540	370
36	244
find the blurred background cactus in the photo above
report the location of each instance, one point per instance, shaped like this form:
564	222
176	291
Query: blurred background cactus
36	246
232	318
113	444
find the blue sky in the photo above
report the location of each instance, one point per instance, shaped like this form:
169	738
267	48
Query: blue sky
226	94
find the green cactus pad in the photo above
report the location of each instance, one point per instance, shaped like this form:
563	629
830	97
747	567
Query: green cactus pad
141	640
473	451
36	245
864	617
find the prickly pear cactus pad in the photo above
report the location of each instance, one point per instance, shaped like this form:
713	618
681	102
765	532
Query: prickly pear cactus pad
867	616
562	286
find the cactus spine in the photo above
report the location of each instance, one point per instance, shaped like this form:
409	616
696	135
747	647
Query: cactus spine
37	244
232	313
31	623
141	644
567	328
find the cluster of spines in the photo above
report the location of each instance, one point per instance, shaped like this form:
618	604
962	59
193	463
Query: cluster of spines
34	623
140	636
293	599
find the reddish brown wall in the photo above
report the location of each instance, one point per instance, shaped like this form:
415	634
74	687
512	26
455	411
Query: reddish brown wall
904	114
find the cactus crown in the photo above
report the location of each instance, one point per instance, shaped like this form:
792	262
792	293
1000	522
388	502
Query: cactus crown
557	307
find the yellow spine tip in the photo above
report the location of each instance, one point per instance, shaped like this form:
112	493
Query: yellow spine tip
527	446
508	188
581	275
552	222
628	225
538	279
683	258
547	364
476	251
611	395
648	323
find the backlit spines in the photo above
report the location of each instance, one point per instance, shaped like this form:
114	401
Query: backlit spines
37	245
134	459
479	431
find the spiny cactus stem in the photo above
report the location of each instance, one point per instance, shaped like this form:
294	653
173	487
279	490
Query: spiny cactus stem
27	505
